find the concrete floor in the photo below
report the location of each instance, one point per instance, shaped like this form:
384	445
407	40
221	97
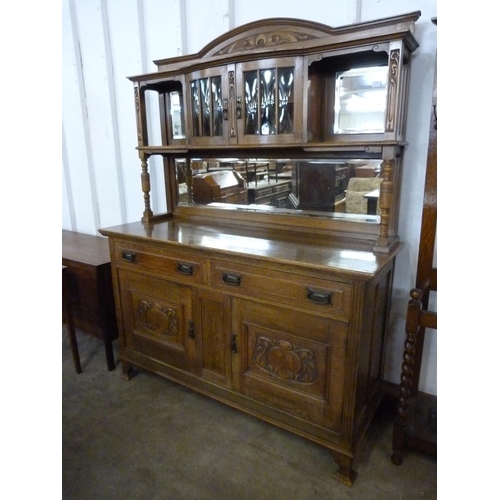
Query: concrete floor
151	439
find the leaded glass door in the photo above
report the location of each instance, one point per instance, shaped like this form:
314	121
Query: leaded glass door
209	107
268	101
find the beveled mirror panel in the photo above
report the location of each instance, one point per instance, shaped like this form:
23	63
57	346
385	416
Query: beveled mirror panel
175	102
361	100
339	188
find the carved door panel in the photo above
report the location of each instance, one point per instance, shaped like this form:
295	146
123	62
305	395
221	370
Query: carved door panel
291	361
157	319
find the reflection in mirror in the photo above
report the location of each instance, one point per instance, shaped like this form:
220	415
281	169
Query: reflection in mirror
176	115
340	188
360	100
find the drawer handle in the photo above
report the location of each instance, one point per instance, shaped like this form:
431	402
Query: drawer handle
185	268
231	279
324	298
128	256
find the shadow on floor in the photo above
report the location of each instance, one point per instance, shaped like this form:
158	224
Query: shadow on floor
152	439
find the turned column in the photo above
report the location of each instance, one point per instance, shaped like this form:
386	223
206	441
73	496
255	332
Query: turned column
142	141
386	200
146	188
406	385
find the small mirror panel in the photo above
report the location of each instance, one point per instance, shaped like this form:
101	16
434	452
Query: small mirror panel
176	115
360	100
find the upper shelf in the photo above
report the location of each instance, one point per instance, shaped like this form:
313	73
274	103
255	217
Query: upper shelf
283	88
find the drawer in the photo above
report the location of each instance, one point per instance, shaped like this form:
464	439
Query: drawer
282	188
177	266
318	295
263	192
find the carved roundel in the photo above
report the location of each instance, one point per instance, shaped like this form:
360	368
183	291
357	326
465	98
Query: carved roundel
283	359
157	319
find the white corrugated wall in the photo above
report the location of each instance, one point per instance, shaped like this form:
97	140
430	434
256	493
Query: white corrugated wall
104	41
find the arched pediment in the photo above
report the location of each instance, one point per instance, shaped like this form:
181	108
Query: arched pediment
283	34
265	34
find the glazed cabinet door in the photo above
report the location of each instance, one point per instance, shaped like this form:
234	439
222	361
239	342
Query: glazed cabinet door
210	111
291	361
269	108
251	103
157	319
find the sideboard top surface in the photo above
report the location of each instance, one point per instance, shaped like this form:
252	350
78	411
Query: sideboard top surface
351	259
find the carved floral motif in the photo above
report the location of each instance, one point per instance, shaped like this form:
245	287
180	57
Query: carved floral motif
137	112
285	360
262	40
393	87
157	319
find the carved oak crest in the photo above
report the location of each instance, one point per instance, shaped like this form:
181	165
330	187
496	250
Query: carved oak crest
263	40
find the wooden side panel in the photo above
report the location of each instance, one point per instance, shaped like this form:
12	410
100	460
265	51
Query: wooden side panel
371	348
212	331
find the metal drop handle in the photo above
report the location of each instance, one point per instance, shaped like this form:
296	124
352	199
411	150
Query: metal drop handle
231	279
323	298
185	268
128	256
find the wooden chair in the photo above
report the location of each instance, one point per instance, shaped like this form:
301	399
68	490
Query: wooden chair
355	201
69	320
416	419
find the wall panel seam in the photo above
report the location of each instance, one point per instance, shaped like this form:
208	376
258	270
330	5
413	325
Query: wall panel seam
83	111
67	181
114	113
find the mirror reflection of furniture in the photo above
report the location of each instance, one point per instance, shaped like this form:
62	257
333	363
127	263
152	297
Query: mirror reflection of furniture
361	196
319	183
225	186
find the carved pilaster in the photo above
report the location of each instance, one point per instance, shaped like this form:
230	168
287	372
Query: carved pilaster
138	114
394	62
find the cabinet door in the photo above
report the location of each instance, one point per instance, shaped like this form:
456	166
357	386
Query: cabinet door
292	361
210	106
269	104
157	319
